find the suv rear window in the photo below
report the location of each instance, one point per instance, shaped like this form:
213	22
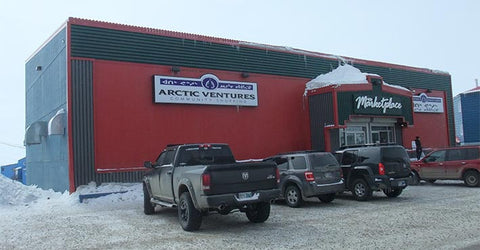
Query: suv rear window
321	160
389	153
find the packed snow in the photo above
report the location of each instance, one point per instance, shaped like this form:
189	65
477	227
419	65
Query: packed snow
440	216
343	74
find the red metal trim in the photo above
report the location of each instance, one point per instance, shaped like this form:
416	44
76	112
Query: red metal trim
131	28
326	135
446	116
396	91
71	172
354	87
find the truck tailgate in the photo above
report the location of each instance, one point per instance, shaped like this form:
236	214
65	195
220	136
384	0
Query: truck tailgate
241	177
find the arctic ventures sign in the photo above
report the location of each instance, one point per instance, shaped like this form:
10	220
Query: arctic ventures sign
205	90
424	104
365	104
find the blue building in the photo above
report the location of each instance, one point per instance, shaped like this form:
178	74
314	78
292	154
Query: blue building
467	116
16	171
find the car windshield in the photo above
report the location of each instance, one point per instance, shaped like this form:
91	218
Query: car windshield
320	160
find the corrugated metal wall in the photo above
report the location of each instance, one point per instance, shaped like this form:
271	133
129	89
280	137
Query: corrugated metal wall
116	45
321	114
471	117
83	132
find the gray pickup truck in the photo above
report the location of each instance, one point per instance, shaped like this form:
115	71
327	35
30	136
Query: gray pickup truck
204	178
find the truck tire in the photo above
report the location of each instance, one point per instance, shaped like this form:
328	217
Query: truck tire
148	207
471	178
258	212
189	217
293	196
361	190
327	198
393	192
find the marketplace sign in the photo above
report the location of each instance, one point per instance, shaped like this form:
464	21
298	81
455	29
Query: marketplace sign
377	104
207	90
425	104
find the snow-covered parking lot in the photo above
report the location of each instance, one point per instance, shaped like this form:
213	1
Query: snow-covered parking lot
445	215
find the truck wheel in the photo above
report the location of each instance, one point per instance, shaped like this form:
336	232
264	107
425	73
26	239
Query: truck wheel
189	217
471	178
258	212
393	192
361	190
148	207
327	198
293	196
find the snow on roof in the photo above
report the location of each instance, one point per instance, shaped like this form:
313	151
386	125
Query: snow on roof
477	89
344	74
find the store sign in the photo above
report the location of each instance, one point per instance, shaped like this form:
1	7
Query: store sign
205	90
425	104
366	104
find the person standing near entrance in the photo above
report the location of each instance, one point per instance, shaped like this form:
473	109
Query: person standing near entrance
418	147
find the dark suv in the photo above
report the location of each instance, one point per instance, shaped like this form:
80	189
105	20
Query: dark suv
374	168
308	174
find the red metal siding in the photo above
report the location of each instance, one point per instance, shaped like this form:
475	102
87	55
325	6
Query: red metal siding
431	127
129	128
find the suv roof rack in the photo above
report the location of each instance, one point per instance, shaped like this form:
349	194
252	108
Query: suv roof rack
300	152
367	145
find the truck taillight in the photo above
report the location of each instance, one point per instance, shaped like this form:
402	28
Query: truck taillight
309	176
206	179
381	169
277	175
205	146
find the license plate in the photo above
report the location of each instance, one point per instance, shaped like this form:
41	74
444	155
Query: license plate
244	195
401	184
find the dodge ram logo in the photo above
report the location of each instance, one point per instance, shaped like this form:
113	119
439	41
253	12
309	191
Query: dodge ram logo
245	176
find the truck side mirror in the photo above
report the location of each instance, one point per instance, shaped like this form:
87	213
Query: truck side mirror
148	164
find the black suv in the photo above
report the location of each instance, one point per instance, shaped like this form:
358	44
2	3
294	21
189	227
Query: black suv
308	174
374	168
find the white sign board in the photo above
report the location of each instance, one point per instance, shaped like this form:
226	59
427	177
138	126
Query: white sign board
207	90
425	104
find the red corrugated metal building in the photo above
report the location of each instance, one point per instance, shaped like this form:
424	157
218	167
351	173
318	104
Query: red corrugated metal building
103	97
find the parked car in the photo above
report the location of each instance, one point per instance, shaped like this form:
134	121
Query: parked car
412	154
203	178
308	174
456	163
374	168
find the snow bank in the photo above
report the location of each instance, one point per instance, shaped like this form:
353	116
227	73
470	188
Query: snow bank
13	193
344	74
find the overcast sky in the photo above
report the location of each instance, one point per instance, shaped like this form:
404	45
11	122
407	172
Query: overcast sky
435	34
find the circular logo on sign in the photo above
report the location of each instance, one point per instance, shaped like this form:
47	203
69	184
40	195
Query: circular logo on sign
423	97
209	83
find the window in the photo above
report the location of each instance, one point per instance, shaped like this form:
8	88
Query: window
349	157
454	154
166	157
319	161
299	162
282	163
437	156
470	154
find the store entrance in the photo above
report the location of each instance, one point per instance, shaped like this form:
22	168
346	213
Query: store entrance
368	132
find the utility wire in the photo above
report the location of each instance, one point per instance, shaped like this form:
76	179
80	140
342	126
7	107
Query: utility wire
12	145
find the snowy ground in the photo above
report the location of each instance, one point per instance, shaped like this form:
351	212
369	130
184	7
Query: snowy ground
440	216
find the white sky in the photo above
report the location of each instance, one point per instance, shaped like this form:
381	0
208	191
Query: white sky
435	34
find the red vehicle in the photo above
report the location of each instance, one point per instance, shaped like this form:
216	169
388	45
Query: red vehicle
456	163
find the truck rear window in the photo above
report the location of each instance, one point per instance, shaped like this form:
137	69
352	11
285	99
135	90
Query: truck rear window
205	156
